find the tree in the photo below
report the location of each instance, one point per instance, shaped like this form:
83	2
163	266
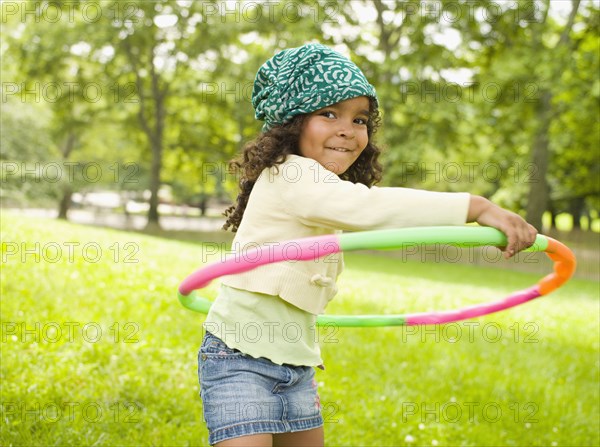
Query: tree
539	194
51	73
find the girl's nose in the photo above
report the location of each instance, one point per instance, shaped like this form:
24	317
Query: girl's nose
345	130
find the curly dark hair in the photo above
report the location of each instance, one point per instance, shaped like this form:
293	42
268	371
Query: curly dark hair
271	148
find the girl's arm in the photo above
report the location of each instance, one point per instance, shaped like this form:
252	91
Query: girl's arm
519	233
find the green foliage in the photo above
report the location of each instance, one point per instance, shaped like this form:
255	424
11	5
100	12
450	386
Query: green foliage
26	146
575	168
460	83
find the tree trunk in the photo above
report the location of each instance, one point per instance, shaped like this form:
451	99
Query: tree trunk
587	215
67	192
152	128
153	217
203	205
65	203
537	200
156	142
552	211
576	208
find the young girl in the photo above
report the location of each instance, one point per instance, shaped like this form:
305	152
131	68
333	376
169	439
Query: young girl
310	172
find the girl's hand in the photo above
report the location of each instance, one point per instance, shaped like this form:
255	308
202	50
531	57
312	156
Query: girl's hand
519	233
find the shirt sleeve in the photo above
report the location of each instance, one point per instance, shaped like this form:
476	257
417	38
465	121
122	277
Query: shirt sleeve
318	197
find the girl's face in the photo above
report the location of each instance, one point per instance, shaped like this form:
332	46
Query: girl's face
336	135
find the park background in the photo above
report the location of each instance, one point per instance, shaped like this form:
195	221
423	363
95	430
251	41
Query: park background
118	119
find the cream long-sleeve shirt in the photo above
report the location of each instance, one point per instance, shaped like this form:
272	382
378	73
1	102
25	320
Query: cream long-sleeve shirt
300	198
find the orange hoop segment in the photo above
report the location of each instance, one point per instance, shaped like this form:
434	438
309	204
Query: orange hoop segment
564	266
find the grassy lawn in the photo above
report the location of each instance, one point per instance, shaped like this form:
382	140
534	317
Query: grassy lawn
96	349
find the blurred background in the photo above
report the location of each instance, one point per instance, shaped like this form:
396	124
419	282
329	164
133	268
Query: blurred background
126	113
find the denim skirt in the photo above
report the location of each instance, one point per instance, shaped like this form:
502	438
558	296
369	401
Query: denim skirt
243	395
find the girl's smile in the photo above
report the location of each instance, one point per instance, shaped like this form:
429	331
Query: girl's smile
336	135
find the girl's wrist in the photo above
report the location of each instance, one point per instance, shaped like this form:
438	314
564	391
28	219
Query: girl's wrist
477	205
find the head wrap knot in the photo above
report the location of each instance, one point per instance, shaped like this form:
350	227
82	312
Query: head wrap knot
304	79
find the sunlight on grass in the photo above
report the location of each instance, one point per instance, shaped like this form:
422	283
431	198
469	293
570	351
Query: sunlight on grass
96	349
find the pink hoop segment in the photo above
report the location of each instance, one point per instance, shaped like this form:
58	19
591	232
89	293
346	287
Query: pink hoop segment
306	249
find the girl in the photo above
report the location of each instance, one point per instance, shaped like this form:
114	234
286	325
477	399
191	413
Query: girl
310	172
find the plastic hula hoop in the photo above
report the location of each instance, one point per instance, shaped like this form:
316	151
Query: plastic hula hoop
311	248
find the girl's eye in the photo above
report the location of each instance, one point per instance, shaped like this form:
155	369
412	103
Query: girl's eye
328	114
361	121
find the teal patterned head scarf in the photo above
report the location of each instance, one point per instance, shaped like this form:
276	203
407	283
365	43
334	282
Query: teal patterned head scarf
304	79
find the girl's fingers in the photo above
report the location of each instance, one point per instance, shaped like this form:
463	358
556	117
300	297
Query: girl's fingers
519	234
520	237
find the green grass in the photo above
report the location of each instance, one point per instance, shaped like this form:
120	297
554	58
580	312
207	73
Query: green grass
526	376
